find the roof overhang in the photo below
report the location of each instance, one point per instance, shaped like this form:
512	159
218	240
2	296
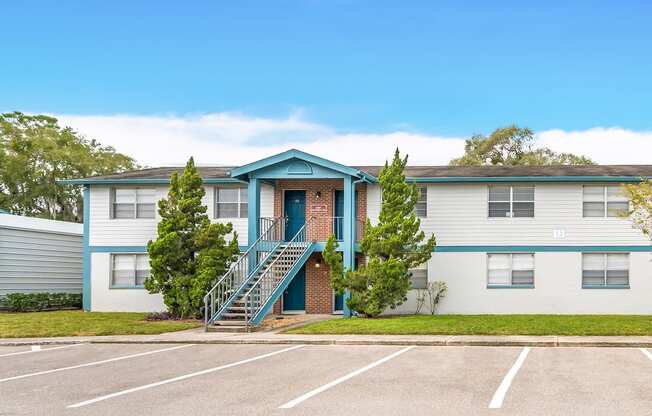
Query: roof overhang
149	181
495	179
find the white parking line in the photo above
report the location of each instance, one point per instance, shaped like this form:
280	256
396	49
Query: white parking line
184	377
499	395
647	353
124	357
342	379
32	350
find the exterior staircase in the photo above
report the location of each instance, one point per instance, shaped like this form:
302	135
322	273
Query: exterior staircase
247	291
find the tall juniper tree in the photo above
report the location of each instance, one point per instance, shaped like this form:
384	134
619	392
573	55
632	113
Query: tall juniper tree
189	252
392	247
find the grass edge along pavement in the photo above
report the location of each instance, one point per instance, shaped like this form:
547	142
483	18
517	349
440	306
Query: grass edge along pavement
80	323
562	325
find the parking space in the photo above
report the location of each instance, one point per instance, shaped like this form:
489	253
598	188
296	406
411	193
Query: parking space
323	380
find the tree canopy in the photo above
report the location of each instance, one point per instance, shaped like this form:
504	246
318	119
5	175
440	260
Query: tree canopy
189	253
36	152
511	146
640	213
391	248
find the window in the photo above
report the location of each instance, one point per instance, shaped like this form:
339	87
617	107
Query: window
510	270
134	203
231	202
604	201
421	208
511	201
129	270
419	276
605	270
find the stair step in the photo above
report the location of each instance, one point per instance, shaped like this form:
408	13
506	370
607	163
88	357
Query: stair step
233	322
239	315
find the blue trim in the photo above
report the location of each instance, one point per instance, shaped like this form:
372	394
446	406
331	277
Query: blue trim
253	217
348	237
128	249
117	181
118	249
301	261
532	249
86	260
484	179
605	286
245	170
510	287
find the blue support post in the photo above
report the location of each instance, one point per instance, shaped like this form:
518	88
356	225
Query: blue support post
348	243
253	216
86	255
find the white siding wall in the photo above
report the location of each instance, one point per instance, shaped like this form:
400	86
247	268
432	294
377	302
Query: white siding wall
105	231
104	299
458	215
557	281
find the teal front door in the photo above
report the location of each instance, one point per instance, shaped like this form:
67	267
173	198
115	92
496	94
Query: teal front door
294	297
295	212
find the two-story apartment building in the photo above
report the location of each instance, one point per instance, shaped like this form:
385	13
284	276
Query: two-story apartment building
509	239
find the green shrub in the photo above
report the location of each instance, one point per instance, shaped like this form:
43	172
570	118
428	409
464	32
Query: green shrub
26	302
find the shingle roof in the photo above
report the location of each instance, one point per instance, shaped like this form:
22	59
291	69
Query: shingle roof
206	172
222	172
507	171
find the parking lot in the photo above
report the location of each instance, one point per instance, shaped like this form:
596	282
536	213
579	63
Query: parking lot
119	379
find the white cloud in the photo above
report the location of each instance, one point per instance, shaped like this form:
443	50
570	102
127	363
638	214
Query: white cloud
235	139
612	145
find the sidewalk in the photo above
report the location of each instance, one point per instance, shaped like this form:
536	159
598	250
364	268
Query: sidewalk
198	336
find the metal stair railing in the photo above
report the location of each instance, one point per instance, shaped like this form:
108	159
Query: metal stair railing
226	288
275	272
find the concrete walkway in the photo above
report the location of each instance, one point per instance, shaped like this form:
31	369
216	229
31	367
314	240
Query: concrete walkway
198	336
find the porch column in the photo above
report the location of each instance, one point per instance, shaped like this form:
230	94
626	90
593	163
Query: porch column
348	244
253	217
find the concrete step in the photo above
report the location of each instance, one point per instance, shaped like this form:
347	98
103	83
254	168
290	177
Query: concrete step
218	328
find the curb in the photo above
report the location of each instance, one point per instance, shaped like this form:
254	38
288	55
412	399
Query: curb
426	343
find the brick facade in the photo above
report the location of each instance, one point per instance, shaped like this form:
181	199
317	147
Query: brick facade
320	203
319	294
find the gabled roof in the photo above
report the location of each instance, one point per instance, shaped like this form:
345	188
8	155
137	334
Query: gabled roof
242	171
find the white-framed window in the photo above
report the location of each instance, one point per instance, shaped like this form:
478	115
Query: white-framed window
605	270
129	270
511	201
231	202
419	277
510	269
604	201
421	208
133	203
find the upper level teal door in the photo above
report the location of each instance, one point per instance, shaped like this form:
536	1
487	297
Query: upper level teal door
295	212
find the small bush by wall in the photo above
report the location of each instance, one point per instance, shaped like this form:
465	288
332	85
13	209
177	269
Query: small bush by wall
28	302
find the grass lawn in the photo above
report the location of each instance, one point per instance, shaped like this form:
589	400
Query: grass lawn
71	323
485	325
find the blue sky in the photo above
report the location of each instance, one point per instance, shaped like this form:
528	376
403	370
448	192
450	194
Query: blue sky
444	69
